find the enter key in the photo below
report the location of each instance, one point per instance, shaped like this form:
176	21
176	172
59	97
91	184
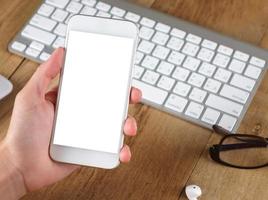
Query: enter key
234	94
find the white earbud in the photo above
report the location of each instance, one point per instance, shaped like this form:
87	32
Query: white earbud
193	192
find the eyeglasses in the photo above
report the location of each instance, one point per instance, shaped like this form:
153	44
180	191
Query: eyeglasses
240	150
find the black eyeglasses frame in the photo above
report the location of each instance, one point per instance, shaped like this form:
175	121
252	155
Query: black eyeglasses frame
250	141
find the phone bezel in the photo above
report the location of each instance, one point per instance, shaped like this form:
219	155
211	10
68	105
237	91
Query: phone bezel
86	157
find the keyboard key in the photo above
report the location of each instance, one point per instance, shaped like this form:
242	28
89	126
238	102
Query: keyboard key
89	2
176	103
257	62
116	17
210	116
103	6
138	71
166	83
207	69
146	33
221	60
146	47
45	10
147	22
88	11
118	12
178	33
193	38
180	74
165	68
225	50
160	38
190	49
58	3
161	52
59	42
38	35
182	89
43	22
138	57
176	58
234	94
196	79
198	95
18	46
162	27
242	82
150	77
209	44
175	43
132	17
237	66
212	85
74	7
44	56
59	15
241	56
194	110
191	63
32	52
205	55
150	93
103	14
61	30
227	122
224	105
150	62
222	75
253	72
36	45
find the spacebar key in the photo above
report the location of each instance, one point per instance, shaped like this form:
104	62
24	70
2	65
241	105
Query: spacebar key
38	35
150	93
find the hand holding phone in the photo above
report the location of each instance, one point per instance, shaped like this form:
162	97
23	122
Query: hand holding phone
27	141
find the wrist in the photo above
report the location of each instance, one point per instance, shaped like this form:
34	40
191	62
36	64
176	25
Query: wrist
11	180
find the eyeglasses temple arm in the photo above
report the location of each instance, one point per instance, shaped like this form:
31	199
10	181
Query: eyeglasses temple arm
227	147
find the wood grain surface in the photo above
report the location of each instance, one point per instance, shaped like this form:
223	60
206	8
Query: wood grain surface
168	153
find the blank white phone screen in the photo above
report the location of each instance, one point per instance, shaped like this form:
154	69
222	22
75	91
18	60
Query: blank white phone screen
93	94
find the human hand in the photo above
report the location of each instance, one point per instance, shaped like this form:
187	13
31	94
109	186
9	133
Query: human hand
27	142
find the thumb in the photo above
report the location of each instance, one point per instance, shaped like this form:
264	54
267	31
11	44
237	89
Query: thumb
40	80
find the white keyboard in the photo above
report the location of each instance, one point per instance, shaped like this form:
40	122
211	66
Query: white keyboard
182	69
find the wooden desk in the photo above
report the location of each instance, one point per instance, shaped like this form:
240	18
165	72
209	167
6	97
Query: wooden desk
168	153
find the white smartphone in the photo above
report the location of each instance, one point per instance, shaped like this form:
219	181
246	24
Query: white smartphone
94	91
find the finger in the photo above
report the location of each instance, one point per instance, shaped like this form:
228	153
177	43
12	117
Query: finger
125	154
135	95
130	127
40	80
